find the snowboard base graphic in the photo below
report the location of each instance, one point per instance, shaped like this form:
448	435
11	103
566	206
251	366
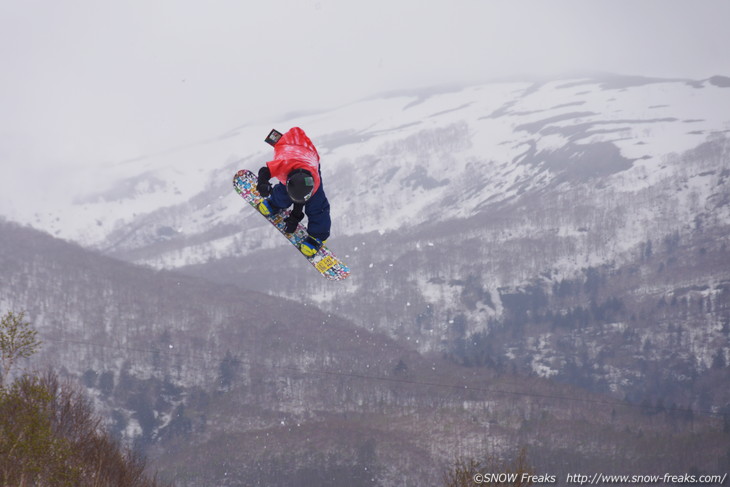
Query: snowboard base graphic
324	260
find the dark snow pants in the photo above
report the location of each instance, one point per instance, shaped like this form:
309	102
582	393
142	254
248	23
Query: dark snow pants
317	209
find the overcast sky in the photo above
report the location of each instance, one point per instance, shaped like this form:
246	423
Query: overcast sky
89	82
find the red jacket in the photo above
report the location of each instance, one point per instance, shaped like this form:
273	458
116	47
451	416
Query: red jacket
295	151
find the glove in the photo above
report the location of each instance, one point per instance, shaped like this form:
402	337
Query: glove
291	225
264	186
294	218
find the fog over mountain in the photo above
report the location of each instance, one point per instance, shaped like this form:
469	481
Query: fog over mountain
532	261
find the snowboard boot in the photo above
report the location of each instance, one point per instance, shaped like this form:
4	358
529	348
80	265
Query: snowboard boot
310	246
267	209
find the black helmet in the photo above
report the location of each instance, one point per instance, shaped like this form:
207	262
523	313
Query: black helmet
299	185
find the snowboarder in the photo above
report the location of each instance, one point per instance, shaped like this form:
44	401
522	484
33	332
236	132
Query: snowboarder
296	166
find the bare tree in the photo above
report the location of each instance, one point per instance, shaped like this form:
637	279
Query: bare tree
490	471
17	340
50	435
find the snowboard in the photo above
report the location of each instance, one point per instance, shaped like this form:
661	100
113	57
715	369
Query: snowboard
324	260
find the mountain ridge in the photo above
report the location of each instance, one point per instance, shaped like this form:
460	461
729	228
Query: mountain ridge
497	113
488	186
214	390
567	233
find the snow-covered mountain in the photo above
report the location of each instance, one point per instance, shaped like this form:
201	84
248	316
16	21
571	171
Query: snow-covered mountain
576	230
401	160
462	210
222	386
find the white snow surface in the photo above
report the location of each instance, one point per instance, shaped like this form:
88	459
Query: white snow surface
388	162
